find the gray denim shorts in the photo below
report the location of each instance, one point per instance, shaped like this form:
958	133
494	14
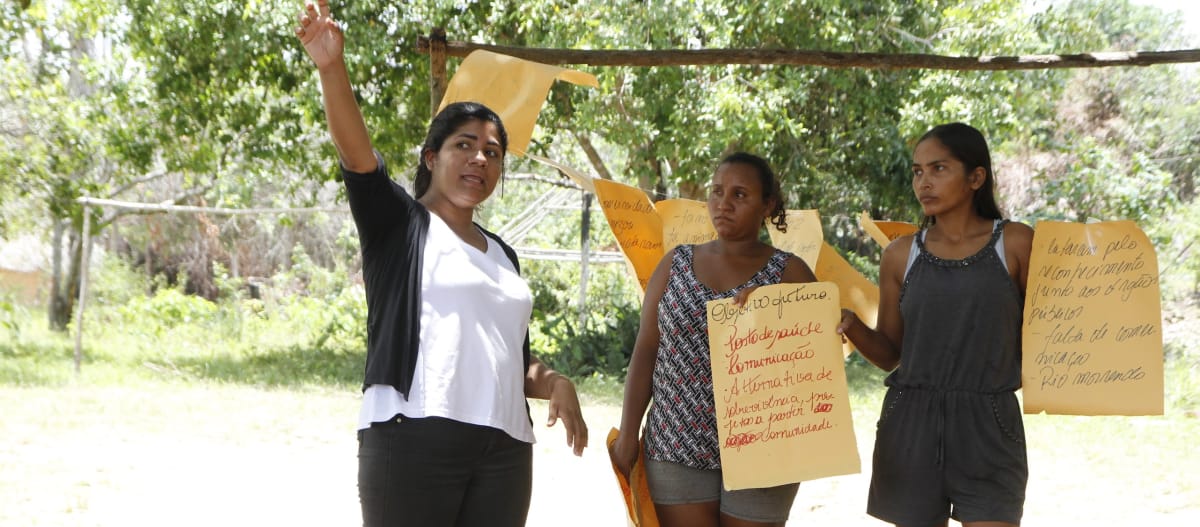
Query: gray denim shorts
677	484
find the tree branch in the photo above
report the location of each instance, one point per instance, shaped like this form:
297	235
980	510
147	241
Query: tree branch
144	179
829	59
564	182
593	156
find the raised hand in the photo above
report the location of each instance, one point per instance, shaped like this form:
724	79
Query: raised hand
320	34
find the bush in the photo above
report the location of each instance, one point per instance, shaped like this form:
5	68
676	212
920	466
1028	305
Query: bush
12	315
603	346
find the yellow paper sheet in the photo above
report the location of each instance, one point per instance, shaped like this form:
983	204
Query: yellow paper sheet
858	293
635	223
883	232
685	221
635	490
804	235
514	88
1092	330
779	381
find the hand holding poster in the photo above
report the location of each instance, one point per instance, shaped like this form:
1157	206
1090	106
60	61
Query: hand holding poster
806	239
779	380
1092	336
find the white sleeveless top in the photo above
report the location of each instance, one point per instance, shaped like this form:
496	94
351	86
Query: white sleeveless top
914	251
470	367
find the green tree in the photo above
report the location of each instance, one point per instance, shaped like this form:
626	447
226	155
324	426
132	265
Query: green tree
216	104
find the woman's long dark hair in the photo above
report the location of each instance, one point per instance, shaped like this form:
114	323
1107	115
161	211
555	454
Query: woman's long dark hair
968	146
448	120
770	184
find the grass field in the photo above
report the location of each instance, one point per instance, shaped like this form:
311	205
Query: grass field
188	435
202	454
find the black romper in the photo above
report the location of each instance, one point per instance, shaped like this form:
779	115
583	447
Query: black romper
950	440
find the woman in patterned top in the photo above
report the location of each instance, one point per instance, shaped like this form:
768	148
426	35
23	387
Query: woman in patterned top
950	442
671	356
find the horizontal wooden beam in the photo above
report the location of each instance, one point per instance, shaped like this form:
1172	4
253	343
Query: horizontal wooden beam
219	211
828	59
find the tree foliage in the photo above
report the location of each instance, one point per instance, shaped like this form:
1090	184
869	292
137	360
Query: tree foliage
215	103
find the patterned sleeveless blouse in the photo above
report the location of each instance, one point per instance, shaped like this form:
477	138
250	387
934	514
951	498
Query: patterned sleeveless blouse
682	424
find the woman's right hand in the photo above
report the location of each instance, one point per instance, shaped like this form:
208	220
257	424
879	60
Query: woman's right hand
624	452
848	319
320	34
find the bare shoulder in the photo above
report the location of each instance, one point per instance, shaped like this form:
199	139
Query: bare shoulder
1018	236
899	247
1016	228
895	255
797	270
665	262
656	285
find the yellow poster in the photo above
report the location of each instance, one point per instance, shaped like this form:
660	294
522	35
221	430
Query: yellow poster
635	490
858	294
514	88
685	221
804	235
635	224
1092	334
883	232
779	380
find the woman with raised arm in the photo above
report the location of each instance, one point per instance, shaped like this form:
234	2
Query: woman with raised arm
950	441
671	364
445	436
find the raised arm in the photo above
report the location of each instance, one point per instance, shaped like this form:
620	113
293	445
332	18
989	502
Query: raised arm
881	345
641	370
323	41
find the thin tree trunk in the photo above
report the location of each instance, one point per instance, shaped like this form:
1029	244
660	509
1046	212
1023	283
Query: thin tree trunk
55	311
593	156
63	285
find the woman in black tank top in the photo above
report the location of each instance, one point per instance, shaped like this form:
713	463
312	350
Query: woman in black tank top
950	441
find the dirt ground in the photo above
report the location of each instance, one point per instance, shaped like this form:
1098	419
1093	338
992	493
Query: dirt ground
84	457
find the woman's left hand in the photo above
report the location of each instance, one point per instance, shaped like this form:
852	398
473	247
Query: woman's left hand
564	404
740	299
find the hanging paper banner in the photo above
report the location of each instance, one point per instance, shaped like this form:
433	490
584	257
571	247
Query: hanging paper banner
685	221
1092	329
635	223
883	232
804	235
514	88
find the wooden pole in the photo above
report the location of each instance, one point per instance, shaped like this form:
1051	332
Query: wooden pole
828	59
220	211
84	257
584	248
435	45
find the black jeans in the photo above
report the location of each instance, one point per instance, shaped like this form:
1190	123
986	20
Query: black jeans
433	472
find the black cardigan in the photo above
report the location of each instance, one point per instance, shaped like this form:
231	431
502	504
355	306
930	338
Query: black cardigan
391	231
